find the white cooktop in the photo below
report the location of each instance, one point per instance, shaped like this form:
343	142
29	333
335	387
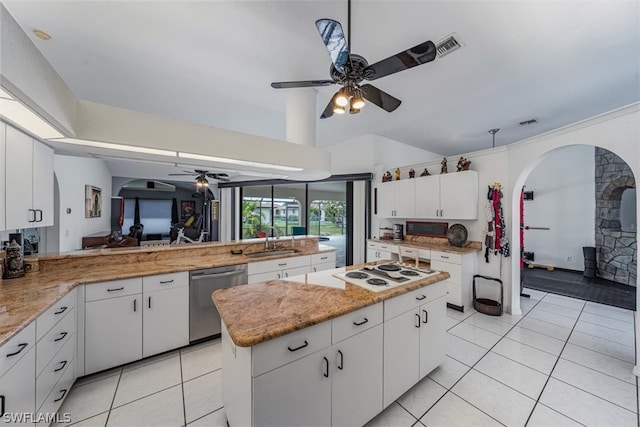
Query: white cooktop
381	277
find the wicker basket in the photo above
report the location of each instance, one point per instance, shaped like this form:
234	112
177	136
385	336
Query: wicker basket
486	305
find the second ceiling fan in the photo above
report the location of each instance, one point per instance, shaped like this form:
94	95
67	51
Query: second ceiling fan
349	70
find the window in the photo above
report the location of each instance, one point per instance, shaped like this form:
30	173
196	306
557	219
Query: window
155	215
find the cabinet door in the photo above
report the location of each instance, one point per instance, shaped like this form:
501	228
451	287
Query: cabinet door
165	322
459	195
264	277
401	355
19	180
43	184
357	383
405	205
427	196
433	335
297	394
113	332
3	156
323	266
385	199
290	272
18	387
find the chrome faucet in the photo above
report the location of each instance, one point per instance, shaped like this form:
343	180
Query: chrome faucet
266	240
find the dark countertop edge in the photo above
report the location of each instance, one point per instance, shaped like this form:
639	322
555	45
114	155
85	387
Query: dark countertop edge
376	298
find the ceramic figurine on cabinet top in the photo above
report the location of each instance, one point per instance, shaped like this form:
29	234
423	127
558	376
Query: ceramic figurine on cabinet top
463	164
425	172
397	174
412	173
443	165
386	177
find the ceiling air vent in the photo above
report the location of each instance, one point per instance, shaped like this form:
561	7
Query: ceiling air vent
528	122
448	45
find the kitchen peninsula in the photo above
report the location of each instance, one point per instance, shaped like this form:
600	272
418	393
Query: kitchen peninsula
336	353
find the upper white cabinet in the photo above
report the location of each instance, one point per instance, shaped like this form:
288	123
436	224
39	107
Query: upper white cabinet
3	155
395	199
446	196
451	196
29	168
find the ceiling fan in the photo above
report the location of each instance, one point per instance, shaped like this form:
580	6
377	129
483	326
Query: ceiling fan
202	175
349	70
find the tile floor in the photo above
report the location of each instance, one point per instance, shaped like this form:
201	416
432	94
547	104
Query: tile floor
565	362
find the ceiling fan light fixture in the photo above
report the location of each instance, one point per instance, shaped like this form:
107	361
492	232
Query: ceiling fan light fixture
342	97
357	102
338	109
353	110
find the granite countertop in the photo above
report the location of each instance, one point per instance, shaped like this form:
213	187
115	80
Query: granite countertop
279	307
23	300
469	247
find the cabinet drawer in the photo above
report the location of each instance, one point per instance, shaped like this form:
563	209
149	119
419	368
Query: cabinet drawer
165	281
446	257
323	257
285	349
277	264
424	253
54	340
17	347
115	288
57	311
405	302
323	266
353	323
58	393
53	371
409	252
454	270
382	246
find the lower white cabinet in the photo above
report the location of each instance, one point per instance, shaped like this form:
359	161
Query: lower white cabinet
276	269
18	387
461	268
113	332
378	251
414	341
145	316
302	388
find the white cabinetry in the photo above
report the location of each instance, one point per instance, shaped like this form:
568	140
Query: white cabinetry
30	164
414	338
323	261
395	199
263	271
447	196
113	324
17	373
165	320
378	251
461	268
3	156
126	320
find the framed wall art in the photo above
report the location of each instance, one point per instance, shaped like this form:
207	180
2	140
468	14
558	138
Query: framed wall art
92	201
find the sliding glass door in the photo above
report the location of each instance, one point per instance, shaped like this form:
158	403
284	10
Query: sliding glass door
327	211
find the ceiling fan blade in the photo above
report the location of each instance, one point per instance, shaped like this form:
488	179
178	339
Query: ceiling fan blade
302	83
328	111
182	174
417	55
380	98
333	38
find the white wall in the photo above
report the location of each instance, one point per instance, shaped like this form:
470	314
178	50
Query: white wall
73	173
564	200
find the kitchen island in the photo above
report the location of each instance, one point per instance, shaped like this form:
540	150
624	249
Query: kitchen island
318	350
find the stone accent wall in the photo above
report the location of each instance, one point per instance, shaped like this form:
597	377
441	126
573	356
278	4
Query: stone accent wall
616	251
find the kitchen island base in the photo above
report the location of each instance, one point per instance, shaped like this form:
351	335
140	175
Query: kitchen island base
340	372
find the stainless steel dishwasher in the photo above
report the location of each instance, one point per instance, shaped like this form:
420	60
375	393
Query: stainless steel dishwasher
204	320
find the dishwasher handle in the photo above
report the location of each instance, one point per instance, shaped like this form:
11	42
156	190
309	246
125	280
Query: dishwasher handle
207	276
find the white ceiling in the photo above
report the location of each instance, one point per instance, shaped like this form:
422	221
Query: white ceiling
211	62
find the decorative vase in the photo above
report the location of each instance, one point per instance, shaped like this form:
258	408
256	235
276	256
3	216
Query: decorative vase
13	262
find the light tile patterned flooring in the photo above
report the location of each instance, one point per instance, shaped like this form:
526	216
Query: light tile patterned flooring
565	362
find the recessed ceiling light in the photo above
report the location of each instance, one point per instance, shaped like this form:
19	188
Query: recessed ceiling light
41	34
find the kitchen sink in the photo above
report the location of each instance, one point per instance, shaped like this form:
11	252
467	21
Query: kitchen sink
271	253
